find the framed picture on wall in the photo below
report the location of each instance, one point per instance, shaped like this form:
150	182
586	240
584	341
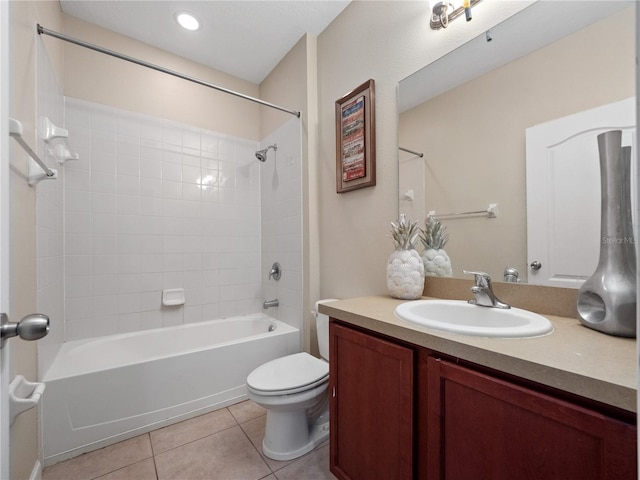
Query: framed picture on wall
355	139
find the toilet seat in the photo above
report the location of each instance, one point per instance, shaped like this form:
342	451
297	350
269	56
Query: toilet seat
287	375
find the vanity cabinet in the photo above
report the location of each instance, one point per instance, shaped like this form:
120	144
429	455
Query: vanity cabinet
482	427
371	406
400	411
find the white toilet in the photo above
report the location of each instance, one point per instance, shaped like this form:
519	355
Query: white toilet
294	390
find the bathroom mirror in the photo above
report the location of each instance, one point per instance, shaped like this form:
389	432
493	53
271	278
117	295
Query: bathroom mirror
467	113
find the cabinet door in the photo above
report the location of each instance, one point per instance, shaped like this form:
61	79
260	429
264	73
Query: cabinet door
371	413
480	427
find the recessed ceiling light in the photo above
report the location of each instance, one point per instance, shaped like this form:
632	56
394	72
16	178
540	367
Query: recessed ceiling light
188	21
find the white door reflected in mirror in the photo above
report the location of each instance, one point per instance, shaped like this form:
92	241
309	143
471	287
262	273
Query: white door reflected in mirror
563	208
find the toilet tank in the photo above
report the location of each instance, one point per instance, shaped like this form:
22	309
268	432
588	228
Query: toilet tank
322	329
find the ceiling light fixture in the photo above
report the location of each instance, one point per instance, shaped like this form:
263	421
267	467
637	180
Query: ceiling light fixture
188	21
445	11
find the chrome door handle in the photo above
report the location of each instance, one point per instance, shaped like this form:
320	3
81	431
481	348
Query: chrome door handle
535	265
31	327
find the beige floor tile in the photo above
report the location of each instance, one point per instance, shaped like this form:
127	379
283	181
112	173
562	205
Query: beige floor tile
195	428
226	455
313	466
144	470
100	462
247	410
254	429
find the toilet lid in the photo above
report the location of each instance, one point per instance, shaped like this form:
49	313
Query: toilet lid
288	373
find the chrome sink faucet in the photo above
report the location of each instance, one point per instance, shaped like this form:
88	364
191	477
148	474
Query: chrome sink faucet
483	291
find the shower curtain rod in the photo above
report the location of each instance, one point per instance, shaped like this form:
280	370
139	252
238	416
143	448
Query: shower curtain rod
66	38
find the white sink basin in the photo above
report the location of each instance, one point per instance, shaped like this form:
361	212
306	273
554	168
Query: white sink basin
458	316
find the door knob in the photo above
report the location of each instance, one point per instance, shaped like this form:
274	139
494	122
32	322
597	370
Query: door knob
535	265
31	327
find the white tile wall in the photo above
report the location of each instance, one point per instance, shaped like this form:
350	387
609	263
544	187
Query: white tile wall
152	205
49	215
281	197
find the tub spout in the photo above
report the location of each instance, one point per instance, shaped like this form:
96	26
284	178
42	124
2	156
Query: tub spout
270	303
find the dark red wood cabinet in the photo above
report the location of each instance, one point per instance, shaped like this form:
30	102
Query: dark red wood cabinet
371	406
481	427
399	411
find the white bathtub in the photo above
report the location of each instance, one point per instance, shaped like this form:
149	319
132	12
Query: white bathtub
104	390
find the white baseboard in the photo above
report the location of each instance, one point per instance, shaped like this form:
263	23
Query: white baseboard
36	473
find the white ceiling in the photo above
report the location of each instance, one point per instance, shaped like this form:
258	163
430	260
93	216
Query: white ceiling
244	38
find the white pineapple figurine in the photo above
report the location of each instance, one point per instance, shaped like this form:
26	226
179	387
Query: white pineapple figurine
436	261
405	271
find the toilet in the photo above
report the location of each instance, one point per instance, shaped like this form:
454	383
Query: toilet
294	391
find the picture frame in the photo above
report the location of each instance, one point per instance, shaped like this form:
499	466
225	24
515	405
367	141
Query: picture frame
355	139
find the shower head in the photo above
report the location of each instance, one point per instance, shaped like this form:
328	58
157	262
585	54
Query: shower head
262	154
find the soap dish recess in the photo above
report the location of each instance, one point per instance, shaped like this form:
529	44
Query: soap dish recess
173	297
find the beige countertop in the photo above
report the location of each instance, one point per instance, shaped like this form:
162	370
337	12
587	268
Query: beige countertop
572	358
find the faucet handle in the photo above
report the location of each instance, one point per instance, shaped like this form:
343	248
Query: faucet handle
482	279
275	272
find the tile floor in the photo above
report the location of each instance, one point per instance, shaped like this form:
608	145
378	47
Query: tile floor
221	445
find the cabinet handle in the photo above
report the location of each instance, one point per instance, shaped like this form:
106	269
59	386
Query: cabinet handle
334	392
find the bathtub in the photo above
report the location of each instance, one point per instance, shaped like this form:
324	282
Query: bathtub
104	390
